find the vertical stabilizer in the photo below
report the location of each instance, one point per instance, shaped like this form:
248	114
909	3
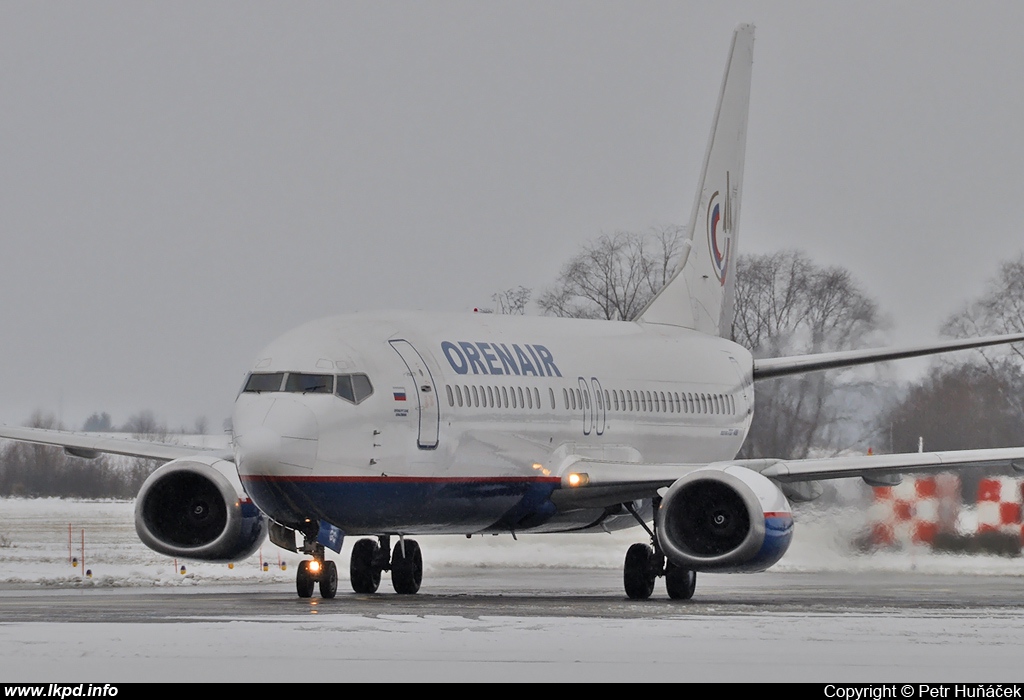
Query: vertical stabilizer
700	293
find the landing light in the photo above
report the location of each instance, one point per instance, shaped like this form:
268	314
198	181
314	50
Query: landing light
314	566
578	479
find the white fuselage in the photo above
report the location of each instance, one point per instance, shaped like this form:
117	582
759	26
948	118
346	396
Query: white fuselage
472	417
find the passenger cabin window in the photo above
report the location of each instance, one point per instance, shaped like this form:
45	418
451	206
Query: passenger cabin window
354	387
299	383
257	383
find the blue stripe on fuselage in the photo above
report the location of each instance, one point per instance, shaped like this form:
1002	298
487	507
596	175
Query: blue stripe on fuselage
404	504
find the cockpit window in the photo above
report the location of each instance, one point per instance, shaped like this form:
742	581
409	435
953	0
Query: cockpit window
362	387
344	389
299	383
353	387
257	383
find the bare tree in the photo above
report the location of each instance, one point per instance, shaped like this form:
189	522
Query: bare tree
958	407
785	305
145	426
98	423
512	301
42	471
34	470
615	276
788	305
1000	309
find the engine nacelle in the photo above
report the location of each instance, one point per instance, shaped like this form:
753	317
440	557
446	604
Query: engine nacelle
727	519
195	508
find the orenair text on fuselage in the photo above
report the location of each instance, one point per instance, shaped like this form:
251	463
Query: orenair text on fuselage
498	358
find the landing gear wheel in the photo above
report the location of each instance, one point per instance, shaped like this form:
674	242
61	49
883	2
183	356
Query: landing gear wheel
329	580
680	583
406	571
304	581
364	576
637	573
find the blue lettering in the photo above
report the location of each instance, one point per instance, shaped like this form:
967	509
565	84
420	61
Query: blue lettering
524	361
505	355
548	360
485	350
497	358
536	362
474	358
451	353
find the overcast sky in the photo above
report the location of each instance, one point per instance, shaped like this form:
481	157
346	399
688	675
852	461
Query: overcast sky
182	182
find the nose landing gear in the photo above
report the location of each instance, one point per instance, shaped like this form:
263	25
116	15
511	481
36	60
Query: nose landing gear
317	571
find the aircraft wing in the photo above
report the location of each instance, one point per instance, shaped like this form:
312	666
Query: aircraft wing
90	446
798	364
795	470
590	484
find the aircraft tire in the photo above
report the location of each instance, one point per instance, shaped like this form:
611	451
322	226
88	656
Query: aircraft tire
304	581
407	571
680	583
363	575
637	574
329	580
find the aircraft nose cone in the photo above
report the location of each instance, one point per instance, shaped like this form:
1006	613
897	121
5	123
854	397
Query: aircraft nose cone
276	438
258	451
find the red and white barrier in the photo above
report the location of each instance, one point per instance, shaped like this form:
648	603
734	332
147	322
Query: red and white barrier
915	511
999	505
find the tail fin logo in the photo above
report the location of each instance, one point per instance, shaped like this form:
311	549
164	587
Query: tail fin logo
719	238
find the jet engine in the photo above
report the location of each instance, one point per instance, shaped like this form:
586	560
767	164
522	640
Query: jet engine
195	508
727	519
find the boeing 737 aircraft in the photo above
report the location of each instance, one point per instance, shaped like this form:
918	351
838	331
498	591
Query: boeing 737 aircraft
387	425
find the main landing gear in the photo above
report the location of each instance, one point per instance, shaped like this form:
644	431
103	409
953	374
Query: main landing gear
646	562
370	558
318	570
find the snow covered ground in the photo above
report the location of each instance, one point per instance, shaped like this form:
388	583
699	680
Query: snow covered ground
34	548
979	645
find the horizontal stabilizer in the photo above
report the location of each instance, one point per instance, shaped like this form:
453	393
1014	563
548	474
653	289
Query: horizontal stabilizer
798	364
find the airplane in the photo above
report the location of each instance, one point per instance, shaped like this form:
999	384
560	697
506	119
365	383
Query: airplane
383	426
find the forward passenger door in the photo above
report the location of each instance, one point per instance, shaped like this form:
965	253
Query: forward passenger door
425	391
